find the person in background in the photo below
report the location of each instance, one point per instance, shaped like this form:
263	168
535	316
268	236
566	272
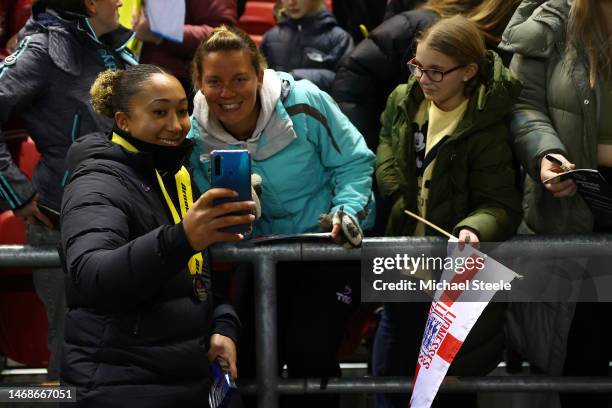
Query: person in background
316	176
352	14
306	42
46	82
563	57
144	321
445	155
378	64
200	18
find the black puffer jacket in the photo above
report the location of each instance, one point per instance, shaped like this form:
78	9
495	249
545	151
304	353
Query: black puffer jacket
46	81
397	6
375	67
307	48
353	13
135	335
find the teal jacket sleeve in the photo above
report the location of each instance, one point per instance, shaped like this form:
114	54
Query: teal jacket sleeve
346	156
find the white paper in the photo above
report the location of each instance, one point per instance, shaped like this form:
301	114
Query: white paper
166	18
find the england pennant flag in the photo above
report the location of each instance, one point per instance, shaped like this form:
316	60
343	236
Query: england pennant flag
453	313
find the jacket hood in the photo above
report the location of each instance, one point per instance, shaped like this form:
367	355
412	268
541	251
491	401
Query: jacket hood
490	101
61	26
535	27
273	132
322	20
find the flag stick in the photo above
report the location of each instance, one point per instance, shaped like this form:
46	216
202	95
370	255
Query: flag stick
432	225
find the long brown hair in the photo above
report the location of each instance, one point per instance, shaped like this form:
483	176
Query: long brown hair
449	8
586	30
490	16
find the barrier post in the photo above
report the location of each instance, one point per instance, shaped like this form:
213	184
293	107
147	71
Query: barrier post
265	332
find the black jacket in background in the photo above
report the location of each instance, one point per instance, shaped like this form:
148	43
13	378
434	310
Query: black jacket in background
397	6
352	13
46	82
134	335
375	67
308	48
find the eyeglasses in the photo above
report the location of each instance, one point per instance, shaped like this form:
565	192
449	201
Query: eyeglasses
434	75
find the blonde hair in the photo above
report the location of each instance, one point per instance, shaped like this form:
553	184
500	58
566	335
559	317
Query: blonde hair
112	90
458	38
224	38
586	30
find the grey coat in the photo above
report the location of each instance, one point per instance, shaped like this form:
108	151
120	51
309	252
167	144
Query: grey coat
557	112
46	82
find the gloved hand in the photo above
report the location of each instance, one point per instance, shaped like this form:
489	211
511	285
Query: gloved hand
350	235
256	193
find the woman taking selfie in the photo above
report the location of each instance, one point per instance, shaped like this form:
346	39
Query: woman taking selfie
445	155
142	315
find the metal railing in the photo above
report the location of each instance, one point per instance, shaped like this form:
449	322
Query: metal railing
268	385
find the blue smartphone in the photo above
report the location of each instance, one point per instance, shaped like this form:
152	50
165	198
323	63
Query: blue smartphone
232	169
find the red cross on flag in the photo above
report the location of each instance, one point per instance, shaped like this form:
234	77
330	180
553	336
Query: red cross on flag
458	302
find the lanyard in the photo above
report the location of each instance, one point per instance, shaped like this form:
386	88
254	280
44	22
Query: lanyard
185	195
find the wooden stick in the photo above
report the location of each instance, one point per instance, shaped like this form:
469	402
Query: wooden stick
424	221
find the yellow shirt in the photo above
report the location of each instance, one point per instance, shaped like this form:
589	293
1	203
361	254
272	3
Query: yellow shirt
440	126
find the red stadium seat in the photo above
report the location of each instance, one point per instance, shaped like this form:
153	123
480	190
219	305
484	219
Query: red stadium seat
11	228
23	321
256	39
28	157
21	12
258	17
328	3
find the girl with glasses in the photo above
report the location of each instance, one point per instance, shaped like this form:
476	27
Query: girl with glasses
444	154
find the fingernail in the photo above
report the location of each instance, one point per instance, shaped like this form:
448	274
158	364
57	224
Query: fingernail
240	236
252	217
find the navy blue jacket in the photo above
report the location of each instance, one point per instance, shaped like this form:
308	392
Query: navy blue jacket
134	335
308	48
46	82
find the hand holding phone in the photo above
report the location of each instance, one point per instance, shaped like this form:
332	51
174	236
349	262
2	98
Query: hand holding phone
204	222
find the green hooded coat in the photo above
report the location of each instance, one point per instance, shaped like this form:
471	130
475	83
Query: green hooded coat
473	184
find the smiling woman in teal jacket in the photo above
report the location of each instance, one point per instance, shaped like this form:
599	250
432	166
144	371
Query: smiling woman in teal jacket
312	162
